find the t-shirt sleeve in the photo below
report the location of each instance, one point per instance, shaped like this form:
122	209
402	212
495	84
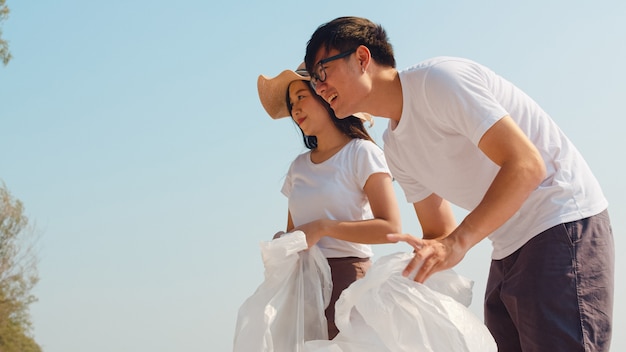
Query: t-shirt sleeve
459	96
369	160
288	184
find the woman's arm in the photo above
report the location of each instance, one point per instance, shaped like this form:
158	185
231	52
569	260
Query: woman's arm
382	199
289	226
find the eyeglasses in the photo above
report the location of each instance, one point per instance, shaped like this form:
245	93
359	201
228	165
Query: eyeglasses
319	72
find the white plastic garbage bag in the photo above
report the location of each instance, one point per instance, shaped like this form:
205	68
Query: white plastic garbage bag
287	309
386	312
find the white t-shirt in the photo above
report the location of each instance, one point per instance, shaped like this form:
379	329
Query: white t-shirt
448	104
333	190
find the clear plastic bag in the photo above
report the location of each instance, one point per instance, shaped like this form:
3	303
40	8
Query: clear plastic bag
287	309
386	312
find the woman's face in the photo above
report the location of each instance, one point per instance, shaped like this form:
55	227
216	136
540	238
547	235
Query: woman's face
307	111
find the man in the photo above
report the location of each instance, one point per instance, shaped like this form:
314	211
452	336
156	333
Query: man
460	133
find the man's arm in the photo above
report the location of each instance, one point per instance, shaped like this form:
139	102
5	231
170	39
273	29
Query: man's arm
435	217
521	171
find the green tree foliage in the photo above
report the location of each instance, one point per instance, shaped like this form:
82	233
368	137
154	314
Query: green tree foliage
5	54
18	275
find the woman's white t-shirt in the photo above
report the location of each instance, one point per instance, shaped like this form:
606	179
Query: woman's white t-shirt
333	190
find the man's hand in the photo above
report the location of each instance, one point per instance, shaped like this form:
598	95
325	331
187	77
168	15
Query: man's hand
430	256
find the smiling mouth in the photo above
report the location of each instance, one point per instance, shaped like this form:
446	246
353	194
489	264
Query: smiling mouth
331	98
299	121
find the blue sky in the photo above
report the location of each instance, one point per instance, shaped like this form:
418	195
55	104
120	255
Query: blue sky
133	133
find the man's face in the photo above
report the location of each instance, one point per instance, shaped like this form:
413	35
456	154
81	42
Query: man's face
335	78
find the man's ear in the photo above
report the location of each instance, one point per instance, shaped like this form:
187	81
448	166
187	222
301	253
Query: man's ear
364	56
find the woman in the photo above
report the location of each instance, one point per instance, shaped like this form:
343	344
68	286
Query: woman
340	192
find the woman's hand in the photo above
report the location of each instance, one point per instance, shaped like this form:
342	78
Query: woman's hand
314	230
278	234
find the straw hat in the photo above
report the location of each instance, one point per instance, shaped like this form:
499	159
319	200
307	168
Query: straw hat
273	92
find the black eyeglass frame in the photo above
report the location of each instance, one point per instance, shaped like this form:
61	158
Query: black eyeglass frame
319	73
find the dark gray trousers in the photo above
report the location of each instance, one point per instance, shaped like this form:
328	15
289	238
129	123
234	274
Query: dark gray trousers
556	292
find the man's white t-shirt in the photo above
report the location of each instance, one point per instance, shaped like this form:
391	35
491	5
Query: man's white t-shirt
448	104
333	190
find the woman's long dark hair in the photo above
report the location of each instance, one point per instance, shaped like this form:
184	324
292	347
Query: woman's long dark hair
351	126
